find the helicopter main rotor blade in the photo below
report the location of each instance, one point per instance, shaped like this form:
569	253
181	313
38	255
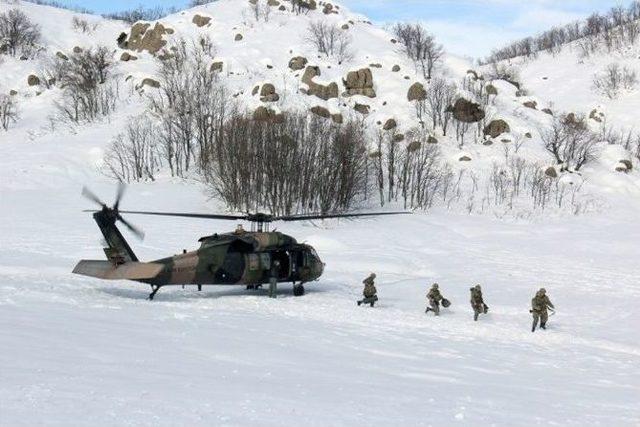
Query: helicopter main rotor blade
121	189
135	230
91	196
303	217
188	215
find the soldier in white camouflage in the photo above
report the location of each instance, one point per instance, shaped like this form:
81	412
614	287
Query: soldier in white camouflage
370	292
540	304
477	302
434	297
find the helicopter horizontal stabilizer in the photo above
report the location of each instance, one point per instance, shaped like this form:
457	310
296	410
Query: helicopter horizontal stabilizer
127	271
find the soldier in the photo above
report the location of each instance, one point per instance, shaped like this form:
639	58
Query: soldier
273	278
539	306
434	297
477	302
370	291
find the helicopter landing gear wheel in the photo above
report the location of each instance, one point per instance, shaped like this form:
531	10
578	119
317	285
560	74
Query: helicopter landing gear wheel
154	290
298	290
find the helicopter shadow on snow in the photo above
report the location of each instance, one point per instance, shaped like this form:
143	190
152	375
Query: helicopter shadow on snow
177	294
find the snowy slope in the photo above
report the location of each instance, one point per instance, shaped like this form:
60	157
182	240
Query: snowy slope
77	351
565	81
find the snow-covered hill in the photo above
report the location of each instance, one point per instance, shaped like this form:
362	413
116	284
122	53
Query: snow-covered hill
84	352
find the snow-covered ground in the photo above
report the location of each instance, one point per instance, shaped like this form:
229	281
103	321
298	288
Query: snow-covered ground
77	351
85	352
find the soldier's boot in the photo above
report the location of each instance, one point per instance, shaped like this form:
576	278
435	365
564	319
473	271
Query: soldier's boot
359	303
436	311
427	310
535	323
543	325
372	303
475	316
486	308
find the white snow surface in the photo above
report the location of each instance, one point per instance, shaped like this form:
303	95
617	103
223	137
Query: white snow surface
77	351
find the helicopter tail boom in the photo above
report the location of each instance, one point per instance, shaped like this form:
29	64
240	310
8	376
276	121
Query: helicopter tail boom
108	271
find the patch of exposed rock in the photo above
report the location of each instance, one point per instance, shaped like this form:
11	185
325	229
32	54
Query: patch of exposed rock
359	83
466	111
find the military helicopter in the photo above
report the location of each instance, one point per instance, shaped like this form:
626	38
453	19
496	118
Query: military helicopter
250	258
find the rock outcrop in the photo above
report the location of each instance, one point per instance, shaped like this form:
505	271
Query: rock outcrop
200	20
359	83
143	38
496	128
466	111
324	92
298	63
417	92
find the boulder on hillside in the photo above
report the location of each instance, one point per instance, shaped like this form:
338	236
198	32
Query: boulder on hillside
359	82
547	111
329	8
466	111
432	140
390	124
531	104
268	93
417	92
362	108
200	20
395	68
491	90
62	56
337	118
149	82
324	92
33	80
126	57
238	37
298	63
13	92
551	172
216	66
143	38
496	128
321	111
625	166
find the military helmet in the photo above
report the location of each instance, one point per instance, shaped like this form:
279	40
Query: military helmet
373	275
542	291
435	286
478	287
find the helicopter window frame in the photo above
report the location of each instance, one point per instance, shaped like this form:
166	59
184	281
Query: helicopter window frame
265	260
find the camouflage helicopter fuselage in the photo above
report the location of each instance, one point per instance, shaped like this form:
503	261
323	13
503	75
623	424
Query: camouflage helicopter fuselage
241	258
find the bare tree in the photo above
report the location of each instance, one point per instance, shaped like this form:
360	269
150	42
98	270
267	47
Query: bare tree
614	80
17	33
330	40
82	25
134	154
8	111
260	10
419	46
88	90
440	95
570	142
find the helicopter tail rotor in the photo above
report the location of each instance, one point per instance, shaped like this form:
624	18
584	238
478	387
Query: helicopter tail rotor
113	213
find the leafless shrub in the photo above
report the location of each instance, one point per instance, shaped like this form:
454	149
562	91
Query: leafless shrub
570	142
611	30
419	46
134	155
614	80
141	13
440	95
82	25
191	103
88	91
302	164
18	35
260	10
8	111
194	3
330	40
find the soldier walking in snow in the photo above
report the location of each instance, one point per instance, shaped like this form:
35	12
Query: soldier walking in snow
370	291
539	306
273	279
435	298
477	302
